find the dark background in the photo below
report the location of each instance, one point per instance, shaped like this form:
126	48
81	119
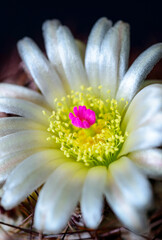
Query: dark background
24	18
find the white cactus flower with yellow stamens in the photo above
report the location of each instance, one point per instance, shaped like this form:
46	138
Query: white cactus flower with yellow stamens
93	132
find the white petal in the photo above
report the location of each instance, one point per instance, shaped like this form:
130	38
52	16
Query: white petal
66	203
145	105
133	218
10	125
9	161
112	61
43	158
108	61
92	196
51	45
93	50
25	109
71	58
29	175
43	73
49	32
131	182
148	136
124	34
150	161
25	140
59	197
10	90
138	72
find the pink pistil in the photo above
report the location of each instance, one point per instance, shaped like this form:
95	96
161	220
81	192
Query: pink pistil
83	118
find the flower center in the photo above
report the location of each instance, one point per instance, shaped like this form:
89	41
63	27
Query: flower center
92	134
84	118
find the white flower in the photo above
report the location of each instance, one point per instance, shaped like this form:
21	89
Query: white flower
85	162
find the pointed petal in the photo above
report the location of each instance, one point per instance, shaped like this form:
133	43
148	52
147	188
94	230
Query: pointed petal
64	208
150	161
59	197
25	109
124	35
93	50
147	136
10	161
32	163
131	182
133	218
137	113
43	73
138	72
51	44
29	175
24	140
71	58
10	90
108	61
113	61
49	33
92	196
10	125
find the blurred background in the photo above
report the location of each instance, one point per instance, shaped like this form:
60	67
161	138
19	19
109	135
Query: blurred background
25	18
21	18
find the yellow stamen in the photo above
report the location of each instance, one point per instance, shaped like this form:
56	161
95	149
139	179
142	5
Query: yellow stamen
100	144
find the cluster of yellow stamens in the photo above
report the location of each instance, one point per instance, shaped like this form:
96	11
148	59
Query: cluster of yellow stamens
97	145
